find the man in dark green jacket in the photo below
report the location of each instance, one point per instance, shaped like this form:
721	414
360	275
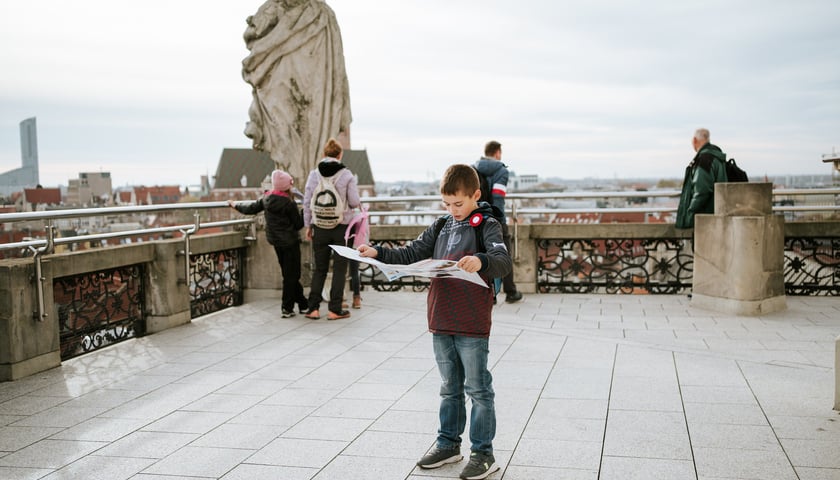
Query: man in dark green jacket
698	190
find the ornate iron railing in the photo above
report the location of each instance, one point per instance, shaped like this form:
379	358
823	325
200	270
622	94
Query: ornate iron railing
644	266
812	266
620	265
215	281
371	276
98	309
655	265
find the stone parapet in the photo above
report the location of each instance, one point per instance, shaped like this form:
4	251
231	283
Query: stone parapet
27	345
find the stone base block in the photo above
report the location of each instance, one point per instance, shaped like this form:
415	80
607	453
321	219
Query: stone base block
30	366
156	324
739	257
526	287
739	307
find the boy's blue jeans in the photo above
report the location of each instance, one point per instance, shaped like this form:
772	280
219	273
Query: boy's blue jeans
462	362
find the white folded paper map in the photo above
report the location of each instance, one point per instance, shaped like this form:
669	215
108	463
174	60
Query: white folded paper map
431	268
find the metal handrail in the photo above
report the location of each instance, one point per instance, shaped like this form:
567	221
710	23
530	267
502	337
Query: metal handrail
51	215
593	194
126	233
544	211
532	196
807	191
102	211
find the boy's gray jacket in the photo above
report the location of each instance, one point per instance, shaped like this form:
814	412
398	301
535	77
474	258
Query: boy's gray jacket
458	307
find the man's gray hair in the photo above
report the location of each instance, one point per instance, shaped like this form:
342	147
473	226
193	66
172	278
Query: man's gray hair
702	134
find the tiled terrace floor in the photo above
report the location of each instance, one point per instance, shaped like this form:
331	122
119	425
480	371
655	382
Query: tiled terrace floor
587	387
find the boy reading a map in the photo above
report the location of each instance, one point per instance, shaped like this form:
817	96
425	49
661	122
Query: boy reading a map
459	317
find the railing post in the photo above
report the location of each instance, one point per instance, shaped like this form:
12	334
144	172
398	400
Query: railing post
187	233
515	235
47	249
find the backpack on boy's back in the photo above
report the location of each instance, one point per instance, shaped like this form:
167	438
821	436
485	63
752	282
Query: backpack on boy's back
327	204
486	191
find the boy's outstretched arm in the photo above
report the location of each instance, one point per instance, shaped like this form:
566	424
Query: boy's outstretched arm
496	261
420	248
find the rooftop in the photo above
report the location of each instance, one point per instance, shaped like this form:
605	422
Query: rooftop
587	387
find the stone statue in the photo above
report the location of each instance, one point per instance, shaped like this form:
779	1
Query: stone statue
300	90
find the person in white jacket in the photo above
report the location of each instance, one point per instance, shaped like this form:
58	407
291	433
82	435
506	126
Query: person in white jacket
345	183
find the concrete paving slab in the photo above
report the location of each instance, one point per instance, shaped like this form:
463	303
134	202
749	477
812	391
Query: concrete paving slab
291	452
200	462
633	468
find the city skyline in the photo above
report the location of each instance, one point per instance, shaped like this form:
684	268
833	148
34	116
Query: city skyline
601	90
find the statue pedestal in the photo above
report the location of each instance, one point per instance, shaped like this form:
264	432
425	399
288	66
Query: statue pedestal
739	252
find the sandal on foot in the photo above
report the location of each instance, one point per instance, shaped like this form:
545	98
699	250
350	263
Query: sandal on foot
313	314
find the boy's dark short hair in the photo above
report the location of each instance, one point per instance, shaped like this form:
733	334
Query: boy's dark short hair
459	178
491	148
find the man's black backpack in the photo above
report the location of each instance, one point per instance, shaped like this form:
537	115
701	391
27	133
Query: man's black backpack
484	186
734	172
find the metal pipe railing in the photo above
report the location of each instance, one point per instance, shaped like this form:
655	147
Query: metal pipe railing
534	196
125	233
93	212
544	211
514	208
594	194
102	211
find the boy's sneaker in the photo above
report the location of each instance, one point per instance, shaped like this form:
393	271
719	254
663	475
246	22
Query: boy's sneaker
287	313
439	457
481	466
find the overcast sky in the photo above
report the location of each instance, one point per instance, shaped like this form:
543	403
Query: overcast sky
152	91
